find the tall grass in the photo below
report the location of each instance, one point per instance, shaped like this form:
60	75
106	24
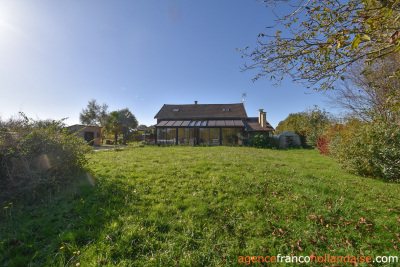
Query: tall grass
204	206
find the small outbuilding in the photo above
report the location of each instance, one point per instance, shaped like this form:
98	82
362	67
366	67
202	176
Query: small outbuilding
91	134
288	139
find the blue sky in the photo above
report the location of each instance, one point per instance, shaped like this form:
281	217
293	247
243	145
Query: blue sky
57	55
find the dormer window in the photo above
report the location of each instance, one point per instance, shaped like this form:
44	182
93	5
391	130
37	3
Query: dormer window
227	109
175	110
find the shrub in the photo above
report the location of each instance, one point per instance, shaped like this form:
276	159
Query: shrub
370	149
262	141
34	160
323	141
308	125
323	145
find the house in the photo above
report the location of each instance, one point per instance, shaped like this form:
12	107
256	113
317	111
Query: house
91	134
288	139
208	124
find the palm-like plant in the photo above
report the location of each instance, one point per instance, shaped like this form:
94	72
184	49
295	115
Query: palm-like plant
121	122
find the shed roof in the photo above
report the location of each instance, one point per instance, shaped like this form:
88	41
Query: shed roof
287	133
202	111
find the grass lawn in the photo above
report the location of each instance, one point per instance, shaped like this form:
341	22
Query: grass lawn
196	206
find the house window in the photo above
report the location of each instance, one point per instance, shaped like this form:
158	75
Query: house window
166	136
186	136
209	136
161	135
227	109
232	136
215	136
171	136
175	110
204	134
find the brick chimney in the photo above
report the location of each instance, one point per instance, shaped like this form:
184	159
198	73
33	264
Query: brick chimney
195	102
260	112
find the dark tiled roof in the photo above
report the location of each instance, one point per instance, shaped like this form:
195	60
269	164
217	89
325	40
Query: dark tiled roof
202	111
253	125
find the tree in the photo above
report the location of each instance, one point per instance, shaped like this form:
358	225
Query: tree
112	125
128	123
94	114
142	127
372	95
317	40
308	124
121	122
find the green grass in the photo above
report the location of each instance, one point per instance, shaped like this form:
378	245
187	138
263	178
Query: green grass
196	206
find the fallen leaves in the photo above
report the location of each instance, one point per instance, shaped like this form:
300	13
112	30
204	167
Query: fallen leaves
280	232
298	245
384	226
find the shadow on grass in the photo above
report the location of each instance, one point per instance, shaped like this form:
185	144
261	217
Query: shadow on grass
56	229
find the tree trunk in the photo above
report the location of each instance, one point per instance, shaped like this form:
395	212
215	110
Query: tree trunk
124	139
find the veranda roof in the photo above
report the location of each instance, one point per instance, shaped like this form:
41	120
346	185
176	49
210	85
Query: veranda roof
200	123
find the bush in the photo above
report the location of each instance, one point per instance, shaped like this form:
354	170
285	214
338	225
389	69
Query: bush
370	149
34	160
323	145
323	141
262	141
308	125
